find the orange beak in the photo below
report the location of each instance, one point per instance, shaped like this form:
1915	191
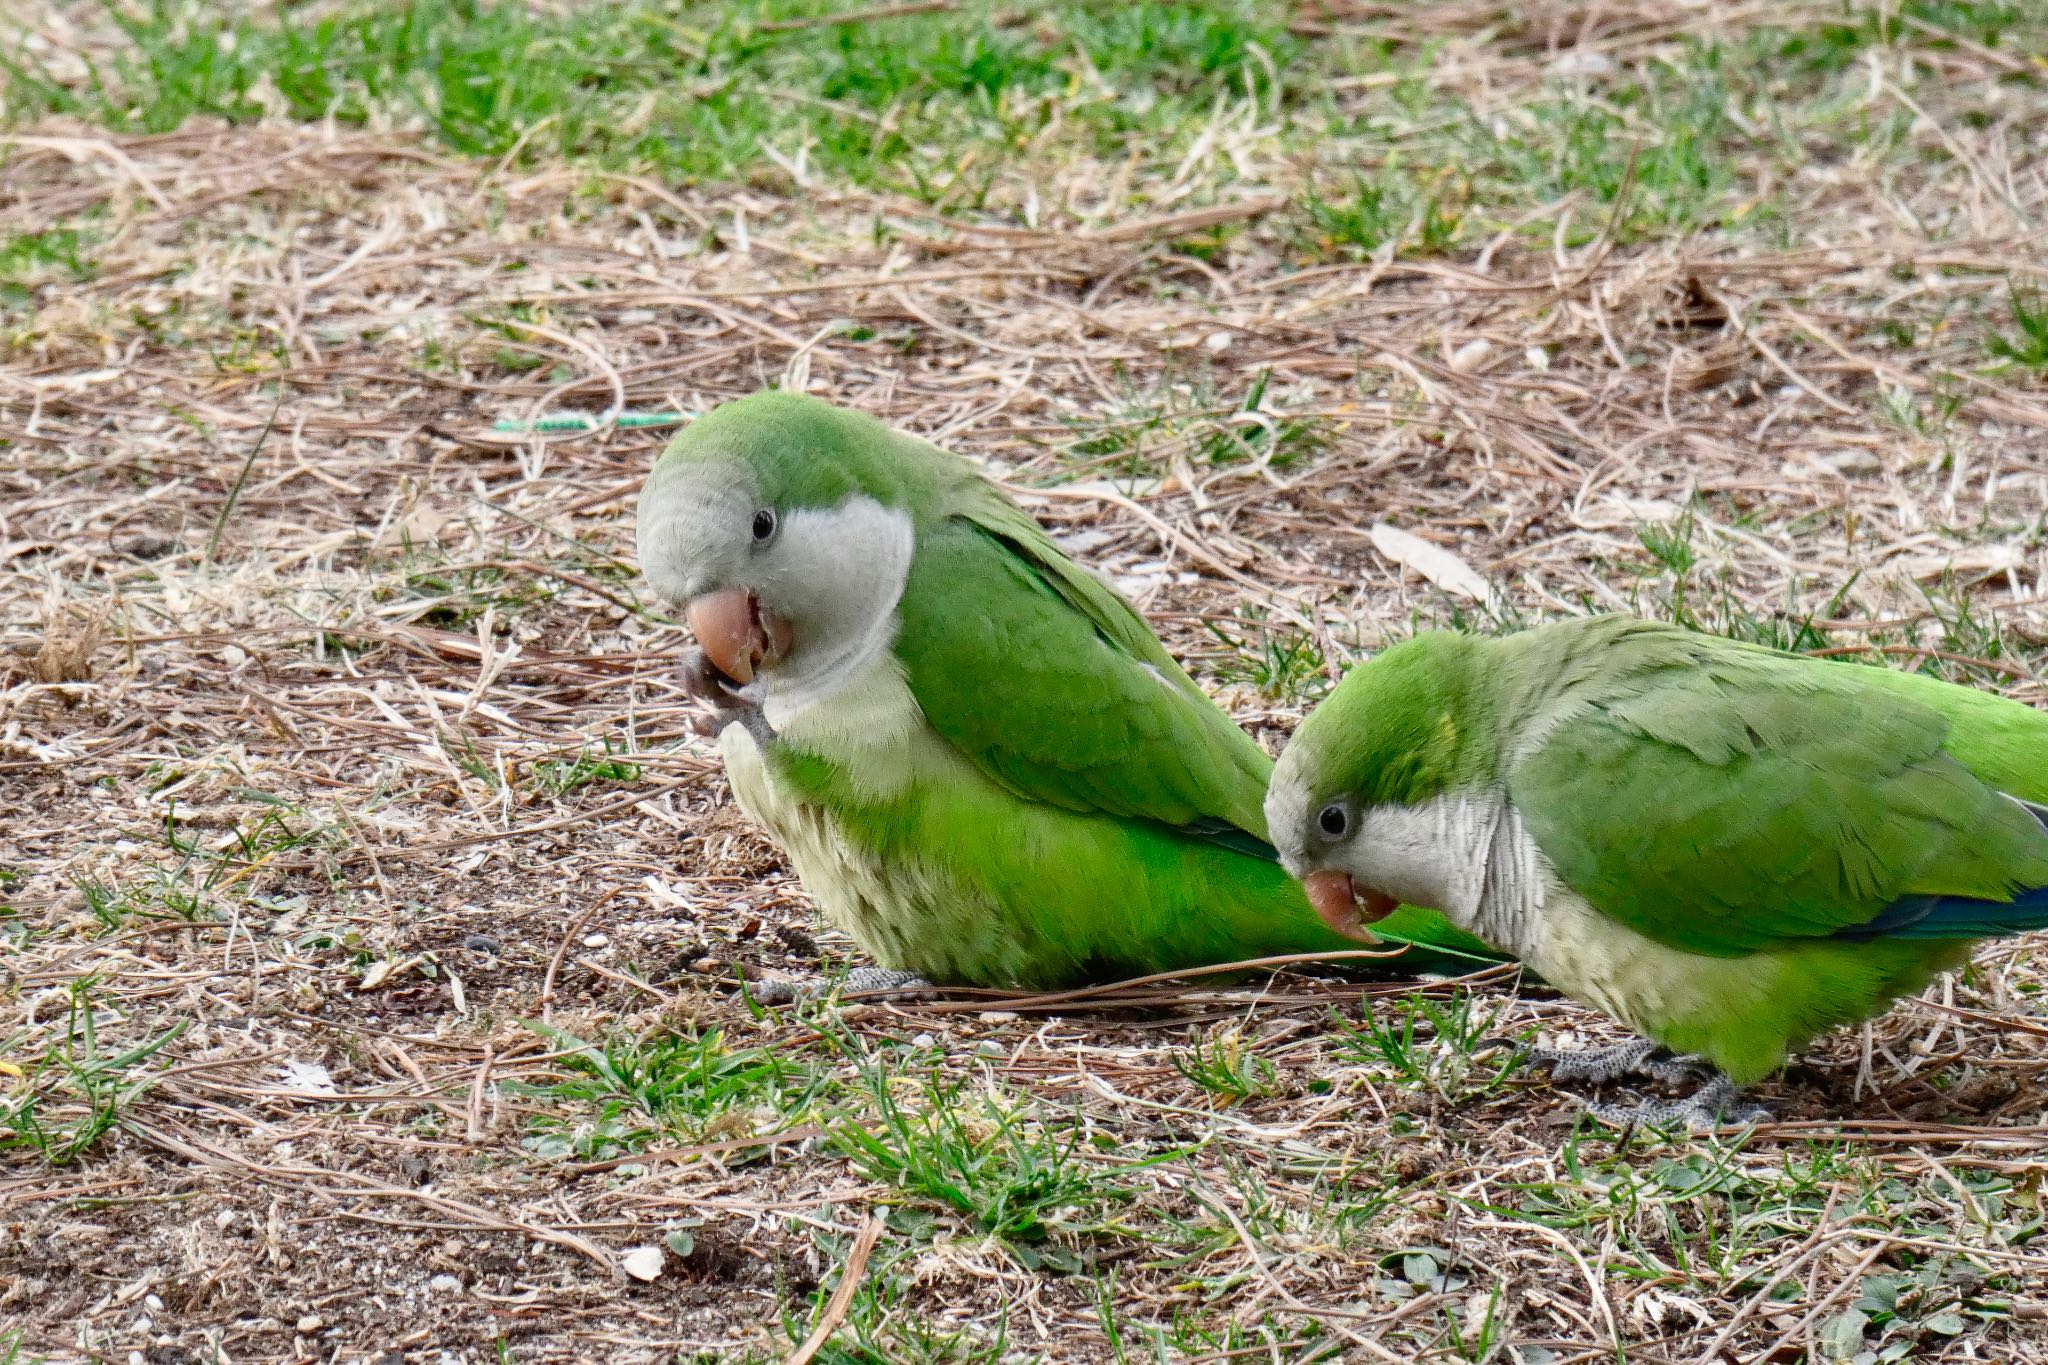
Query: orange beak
1345	908
736	634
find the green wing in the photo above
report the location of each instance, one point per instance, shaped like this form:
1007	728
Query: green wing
1051	683
1724	807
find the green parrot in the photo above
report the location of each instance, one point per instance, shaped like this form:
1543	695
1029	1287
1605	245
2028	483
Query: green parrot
1727	848
982	764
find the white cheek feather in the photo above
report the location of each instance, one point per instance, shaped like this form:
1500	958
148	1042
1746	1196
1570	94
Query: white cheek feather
1470	858
1287	813
841	569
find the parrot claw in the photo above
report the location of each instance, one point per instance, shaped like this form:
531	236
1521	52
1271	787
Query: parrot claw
730	704
879	982
1714	1106
1637	1057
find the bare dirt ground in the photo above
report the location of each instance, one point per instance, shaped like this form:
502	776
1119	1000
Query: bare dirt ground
339	748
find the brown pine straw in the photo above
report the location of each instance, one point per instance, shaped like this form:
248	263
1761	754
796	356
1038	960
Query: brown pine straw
345	664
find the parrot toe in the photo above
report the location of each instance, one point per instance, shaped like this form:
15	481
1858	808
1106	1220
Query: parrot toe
703	682
701	678
1601	1065
865	983
1714	1106
885	983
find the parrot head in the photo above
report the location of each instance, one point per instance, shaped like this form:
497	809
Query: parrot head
782	527
1341	808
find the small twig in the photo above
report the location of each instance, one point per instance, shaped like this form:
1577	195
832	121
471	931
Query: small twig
1998	1021
842	1296
1287	1296
547	984
1248	965
1169	536
306	1178
235	490
1609	231
1819	1239
679	1155
519	832
1765	349
1850	1281
475	1128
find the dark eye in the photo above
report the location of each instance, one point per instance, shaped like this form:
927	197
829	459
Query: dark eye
1333	820
764	524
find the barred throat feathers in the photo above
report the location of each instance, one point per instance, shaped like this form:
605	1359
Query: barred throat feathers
1468	856
851	702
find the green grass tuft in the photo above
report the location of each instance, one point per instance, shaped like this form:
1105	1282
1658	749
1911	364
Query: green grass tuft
681	1087
2027	348
1012	1172
1228	1066
70	1094
1428	1044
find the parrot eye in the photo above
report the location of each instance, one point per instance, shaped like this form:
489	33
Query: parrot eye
764	525
1333	820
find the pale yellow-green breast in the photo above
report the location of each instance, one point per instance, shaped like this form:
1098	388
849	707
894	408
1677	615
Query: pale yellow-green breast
908	907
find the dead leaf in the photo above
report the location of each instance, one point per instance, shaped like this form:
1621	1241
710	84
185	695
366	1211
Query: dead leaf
1433	562
70	639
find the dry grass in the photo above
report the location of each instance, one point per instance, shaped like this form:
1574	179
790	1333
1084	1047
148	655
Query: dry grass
338	749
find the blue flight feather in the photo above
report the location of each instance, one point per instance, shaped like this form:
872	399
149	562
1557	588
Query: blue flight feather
1218	831
1959	916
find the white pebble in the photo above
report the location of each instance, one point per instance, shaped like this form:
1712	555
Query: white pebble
1468	357
595	940
1582	61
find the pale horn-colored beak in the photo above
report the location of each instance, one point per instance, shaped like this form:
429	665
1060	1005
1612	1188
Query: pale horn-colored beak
1343	907
735	633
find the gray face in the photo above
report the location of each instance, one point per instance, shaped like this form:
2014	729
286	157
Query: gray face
696	531
1291	817
831	576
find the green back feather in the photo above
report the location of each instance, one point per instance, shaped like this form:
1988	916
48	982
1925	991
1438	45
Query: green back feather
1722	798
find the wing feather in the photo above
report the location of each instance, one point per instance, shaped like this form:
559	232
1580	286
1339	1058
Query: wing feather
1727	807
1052	684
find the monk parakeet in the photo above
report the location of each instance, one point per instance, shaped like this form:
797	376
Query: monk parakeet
1727	848
982	764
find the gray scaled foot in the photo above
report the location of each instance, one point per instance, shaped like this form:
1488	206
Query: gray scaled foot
1637	1057
1715	1105
702	681
866	983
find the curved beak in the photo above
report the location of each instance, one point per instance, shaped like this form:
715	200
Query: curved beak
736	633
1343	907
